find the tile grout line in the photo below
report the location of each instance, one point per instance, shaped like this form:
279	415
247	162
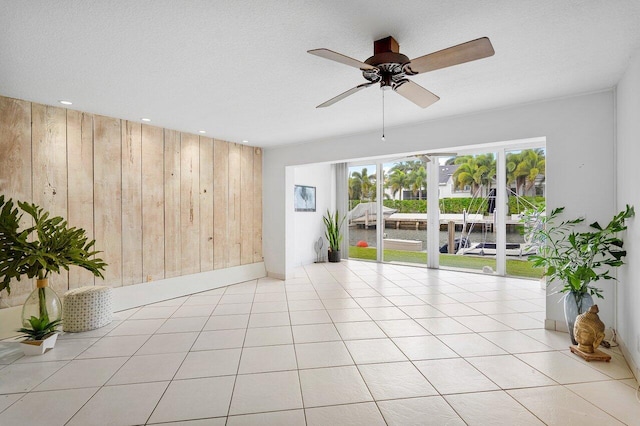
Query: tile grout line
244	339
155	407
360	372
295	352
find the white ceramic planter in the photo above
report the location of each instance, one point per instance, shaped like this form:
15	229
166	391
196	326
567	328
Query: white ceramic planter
38	347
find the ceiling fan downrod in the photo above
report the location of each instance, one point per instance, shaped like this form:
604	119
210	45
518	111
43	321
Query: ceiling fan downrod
383	115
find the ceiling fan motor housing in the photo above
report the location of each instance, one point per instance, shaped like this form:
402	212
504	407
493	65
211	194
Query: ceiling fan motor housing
389	63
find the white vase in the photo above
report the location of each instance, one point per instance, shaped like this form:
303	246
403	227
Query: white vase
38	347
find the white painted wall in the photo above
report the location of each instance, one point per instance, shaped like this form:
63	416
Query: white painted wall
580	162
628	177
308	226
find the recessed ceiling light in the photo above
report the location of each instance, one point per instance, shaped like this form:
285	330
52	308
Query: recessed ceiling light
146	120
245	141
202	131
66	102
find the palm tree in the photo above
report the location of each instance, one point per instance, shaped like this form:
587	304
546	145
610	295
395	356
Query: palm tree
476	171
397	181
487	166
355	189
366	183
417	180
513	159
467	174
524	167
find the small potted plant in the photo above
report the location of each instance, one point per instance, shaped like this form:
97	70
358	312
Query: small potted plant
39	336
578	259
333	224
49	245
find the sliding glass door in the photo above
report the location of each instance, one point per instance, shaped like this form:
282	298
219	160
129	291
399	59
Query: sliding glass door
463	212
467	218
525	186
363	212
404	210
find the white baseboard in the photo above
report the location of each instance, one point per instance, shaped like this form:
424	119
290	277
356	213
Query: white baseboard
276	275
156	291
556	325
136	295
635	369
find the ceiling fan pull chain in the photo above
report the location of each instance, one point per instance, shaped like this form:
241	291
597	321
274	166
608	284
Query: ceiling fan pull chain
382	115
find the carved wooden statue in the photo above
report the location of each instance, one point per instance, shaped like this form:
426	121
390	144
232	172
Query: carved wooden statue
589	330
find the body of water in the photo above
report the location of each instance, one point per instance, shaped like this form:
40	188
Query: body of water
369	235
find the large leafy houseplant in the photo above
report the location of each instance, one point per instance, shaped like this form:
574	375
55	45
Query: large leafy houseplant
333	225
48	245
578	259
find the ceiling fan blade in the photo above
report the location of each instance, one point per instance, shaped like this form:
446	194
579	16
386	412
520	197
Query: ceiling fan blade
416	93
426	157
442	154
465	52
343	95
338	57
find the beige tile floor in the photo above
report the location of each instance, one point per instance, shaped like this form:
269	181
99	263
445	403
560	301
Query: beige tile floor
353	343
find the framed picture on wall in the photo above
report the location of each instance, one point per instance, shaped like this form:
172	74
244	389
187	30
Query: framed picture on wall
304	198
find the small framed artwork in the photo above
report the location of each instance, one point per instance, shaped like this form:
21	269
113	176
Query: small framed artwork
304	198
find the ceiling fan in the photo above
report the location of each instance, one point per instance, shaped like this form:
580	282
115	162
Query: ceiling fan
391	68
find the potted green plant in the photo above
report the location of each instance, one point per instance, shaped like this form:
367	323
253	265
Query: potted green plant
39	336
578	259
46	246
333	224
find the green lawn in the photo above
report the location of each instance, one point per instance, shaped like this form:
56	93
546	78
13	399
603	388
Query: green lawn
518	268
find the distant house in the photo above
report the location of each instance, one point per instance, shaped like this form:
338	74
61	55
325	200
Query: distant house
445	183
448	188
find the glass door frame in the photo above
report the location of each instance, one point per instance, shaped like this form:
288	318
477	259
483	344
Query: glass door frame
379	214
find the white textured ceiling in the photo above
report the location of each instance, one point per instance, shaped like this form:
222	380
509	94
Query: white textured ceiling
239	68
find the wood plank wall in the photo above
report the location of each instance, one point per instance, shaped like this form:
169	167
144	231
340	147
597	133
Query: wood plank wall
160	203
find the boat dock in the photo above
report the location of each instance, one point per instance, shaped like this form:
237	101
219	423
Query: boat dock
418	221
